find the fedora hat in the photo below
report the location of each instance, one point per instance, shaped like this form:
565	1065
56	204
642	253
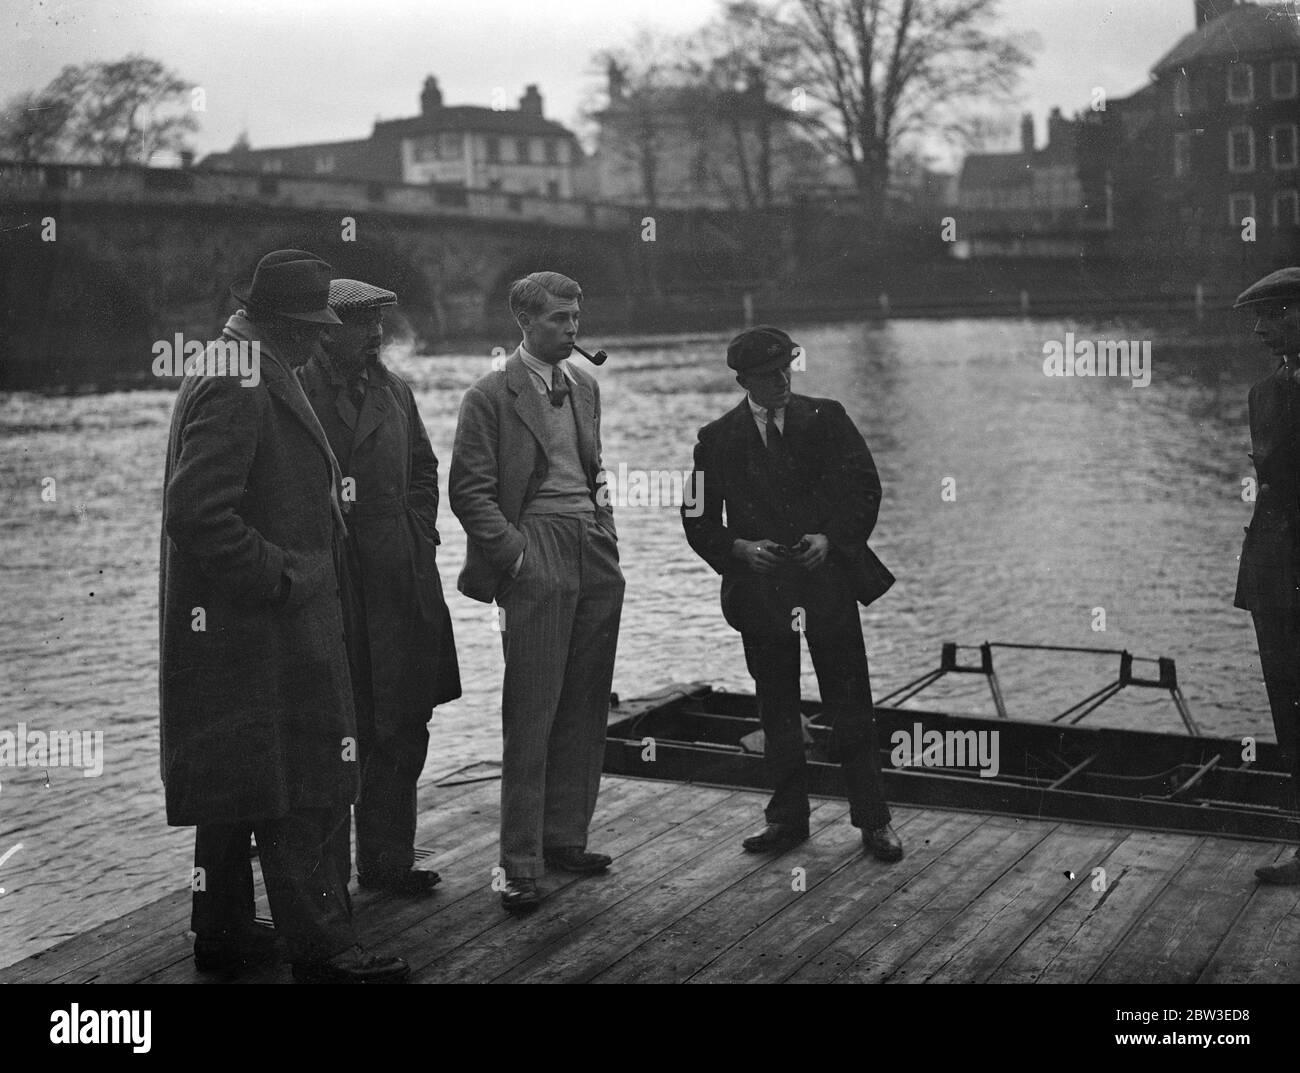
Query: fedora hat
290	283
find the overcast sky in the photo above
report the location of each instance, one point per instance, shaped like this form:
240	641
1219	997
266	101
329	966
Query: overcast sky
326	69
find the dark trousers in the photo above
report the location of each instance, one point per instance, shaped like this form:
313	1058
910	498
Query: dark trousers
840	659
1278	632
391	761
301	856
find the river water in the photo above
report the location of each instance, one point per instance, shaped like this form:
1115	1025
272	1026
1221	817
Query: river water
1016	505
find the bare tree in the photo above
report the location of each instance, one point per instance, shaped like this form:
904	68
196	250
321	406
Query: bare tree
116	112
880	73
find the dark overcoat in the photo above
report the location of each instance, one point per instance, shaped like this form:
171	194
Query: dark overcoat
835	490
400	615
1269	573
256	702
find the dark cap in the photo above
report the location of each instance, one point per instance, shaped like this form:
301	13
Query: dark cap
757	350
1280	286
351	296
291	283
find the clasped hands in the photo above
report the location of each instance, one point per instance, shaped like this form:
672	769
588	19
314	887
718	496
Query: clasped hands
760	556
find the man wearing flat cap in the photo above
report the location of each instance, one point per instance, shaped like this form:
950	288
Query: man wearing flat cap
258	732
800	494
1268	581
399	634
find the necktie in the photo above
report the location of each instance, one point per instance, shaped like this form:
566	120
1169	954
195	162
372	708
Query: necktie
775	441
559	388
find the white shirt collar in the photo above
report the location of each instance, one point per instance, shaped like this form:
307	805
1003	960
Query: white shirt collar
541	368
760	412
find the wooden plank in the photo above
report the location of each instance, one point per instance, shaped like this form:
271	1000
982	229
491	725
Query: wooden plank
466	869
902	923
973	944
597	944
1071	944
444	811
1263	945
1176	937
758	930
686	825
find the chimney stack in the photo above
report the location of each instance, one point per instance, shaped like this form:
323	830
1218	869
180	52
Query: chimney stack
430	96
1208	10
531	101
1027	133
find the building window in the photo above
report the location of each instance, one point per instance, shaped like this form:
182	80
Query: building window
1241	149
494	184
1286	208
492	148
325	164
450	147
1240	206
553	189
1283	138
1284	80
1182	93
521	151
552	151
1241	83
1182	155
274	164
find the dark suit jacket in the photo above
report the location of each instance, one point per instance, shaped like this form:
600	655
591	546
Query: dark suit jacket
499	461
1269	574
838	479
401	619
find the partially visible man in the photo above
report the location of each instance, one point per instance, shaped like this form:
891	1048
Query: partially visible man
800	494
258	730
1268	581
400	644
527	484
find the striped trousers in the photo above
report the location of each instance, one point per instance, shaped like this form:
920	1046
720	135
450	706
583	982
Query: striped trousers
559	632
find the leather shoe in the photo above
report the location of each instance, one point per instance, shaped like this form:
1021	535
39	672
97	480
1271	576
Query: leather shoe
248	948
572	859
520	895
413	883
1286	874
776	838
883	844
352	966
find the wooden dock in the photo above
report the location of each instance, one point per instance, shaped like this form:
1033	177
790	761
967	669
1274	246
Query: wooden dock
978	898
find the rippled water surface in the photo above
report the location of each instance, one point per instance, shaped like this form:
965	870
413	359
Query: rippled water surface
1070	495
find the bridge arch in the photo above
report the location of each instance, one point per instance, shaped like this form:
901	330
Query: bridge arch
601	274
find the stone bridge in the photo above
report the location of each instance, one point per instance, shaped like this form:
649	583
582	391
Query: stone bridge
96	263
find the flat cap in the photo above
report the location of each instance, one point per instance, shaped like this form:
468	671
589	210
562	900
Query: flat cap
759	349
353	296
1280	286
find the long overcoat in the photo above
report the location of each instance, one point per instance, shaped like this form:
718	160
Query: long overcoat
398	622
1269	576
256	702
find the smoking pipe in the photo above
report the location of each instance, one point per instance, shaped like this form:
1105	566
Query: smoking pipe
598	358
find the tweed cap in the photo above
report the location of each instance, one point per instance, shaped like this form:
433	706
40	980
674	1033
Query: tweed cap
1280	286
351	296
757	350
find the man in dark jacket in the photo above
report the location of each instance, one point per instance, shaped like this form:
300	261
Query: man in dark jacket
398	629
1268	582
258	733
801	495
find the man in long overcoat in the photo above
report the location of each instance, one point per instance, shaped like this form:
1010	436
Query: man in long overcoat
399	632
258	733
1268	582
790	495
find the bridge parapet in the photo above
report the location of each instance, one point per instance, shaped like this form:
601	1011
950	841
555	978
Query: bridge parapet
173	186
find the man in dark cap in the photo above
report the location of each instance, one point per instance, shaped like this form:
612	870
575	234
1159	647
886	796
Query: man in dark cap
800	494
258	730
1268	582
400	644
